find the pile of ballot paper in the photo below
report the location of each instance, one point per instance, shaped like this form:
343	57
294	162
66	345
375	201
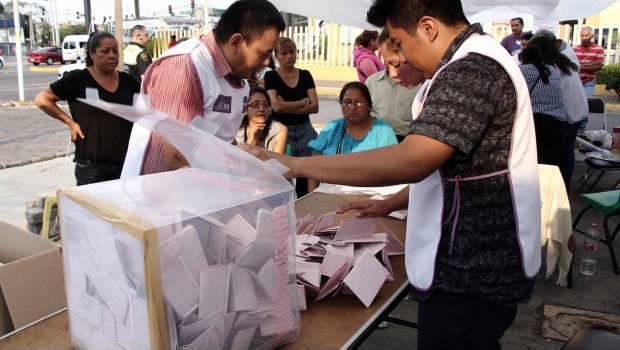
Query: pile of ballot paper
226	295
347	258
165	277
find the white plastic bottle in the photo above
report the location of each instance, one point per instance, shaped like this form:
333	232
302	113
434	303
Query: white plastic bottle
590	246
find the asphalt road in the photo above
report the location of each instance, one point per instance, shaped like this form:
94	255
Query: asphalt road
34	82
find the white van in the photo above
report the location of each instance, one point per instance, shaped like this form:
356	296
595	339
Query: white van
73	46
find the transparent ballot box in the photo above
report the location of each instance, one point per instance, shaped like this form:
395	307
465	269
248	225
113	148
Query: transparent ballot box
197	258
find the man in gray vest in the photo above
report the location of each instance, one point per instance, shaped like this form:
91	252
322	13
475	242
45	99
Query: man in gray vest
135	55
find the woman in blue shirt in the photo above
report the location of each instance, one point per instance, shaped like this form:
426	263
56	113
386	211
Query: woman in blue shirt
357	131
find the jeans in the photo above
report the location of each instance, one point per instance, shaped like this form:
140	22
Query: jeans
87	172
588	88
451	321
298	138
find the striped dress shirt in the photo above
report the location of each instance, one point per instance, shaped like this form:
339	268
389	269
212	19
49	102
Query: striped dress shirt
589	54
173	86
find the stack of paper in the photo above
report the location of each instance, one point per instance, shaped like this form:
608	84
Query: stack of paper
235	292
348	257
109	284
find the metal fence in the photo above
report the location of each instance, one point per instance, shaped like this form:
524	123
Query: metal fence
318	43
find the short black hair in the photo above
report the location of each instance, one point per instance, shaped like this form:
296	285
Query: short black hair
383	36
527	36
517	19
406	13
358	86
136	28
250	18
94	40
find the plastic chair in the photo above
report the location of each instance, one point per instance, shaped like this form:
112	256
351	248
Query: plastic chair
289	150
609	204
593	339
50	202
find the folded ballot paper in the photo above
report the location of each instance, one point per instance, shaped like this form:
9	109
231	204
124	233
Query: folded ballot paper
198	258
349	257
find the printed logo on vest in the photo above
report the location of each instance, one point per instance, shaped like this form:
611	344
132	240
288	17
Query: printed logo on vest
245	104
223	104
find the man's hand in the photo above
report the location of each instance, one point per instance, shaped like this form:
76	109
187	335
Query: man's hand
265	155
76	131
367	207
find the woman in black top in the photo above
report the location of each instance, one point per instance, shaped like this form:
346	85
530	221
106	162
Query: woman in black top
293	98
100	138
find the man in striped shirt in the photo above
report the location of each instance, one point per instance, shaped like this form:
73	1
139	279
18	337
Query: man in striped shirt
241	43
591	58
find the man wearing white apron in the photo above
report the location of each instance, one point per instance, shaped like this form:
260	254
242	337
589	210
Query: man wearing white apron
204	77
473	230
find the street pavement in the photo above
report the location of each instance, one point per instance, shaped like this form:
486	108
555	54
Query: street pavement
34	82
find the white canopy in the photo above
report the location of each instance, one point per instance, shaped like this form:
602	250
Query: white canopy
353	12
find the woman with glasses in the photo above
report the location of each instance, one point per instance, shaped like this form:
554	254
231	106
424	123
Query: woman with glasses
293	98
357	131
258	128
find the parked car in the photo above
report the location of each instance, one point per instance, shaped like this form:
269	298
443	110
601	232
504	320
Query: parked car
49	55
68	68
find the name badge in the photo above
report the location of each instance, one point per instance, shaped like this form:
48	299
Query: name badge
223	104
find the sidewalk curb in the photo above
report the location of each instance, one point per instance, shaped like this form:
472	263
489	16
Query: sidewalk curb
45	69
32	160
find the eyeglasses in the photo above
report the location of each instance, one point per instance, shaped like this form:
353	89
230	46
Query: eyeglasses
352	104
257	104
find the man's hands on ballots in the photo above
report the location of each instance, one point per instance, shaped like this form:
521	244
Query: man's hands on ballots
265	155
367	207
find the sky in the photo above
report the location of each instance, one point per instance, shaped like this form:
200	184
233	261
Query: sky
148	8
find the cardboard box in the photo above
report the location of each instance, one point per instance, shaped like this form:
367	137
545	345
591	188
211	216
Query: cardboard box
32	284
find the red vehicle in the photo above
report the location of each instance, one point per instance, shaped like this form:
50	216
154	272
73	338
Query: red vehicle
48	55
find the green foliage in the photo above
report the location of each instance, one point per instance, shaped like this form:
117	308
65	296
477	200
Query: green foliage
73	29
610	76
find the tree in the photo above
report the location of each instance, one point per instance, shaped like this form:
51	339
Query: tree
610	76
72	30
1	8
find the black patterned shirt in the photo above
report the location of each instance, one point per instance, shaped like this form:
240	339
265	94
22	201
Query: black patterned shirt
472	107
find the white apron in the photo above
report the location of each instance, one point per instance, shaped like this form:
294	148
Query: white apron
424	225
223	105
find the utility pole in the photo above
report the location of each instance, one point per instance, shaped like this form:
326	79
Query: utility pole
56	29
136	7
206	15
18	50
118	30
30	26
87	16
